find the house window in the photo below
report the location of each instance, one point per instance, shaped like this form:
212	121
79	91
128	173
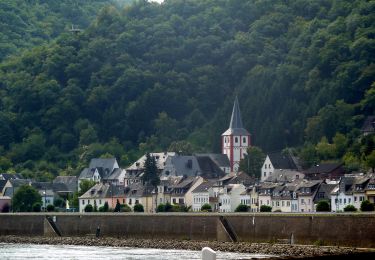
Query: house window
123	201
83	202
174	201
88	201
344	201
130	201
355	198
302	201
100	201
236	139
136	201
264	174
244	140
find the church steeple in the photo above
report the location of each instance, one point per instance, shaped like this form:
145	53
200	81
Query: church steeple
236	139
235	120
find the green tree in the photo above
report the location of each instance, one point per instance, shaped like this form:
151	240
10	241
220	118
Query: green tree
85	185
323	206
252	161
89	208
181	148
350	208
242	208
106	207
206	207
50	208
367	206
126	208
138	208
160	208
24	199
118	206
150	174
265	208
370	161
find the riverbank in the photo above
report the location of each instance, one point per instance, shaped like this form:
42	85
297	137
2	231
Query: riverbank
280	250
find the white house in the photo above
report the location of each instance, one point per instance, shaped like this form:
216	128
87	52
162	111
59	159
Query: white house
342	195
279	161
201	195
230	197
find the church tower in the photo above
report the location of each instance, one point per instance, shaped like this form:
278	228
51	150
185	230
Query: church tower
236	139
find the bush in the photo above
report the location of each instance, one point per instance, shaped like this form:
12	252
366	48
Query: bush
89	208
37	207
117	207
125	208
6	208
138	208
160	208
323	206
367	206
242	208
278	210
350	208
168	207
50	207
59	202
206	207
105	207
265	208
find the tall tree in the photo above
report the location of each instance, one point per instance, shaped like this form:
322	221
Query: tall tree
24	199
253	161
151	173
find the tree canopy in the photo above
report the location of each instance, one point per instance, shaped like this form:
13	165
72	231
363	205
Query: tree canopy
25	198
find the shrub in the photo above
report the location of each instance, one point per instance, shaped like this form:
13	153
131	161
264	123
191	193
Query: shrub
265	208
242	208
350	208
367	206
160	208
59	202
206	207
168	207
50	207
278	210
101	209
125	208
117	207
323	206
89	208
138	208
37	207
6	208
105	207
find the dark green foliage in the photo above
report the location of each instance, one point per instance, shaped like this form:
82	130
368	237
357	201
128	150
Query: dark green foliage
242	208
6	208
125	208
150	174
85	185
160	208
24	199
89	208
105	207
138	208
350	208
59	202
206	207
323	206
253	161
367	206
50	208
145	77
168	207
265	208
117	207
37	207
95	208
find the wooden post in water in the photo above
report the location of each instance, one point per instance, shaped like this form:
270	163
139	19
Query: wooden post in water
208	254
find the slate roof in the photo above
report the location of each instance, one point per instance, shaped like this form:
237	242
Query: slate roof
104	163
284	175
9	192
368	125
2	184
221	160
181	165
160	159
282	161
323	168
10	176
326	190
236	126
70	182
204	187
102	190
208	168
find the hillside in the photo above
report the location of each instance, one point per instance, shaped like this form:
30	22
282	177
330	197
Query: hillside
149	74
34	22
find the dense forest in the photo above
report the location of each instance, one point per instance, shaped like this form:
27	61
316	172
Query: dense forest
27	23
146	76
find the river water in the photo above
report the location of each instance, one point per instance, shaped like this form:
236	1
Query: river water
31	251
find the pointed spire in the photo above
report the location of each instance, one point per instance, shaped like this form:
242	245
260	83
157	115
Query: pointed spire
235	120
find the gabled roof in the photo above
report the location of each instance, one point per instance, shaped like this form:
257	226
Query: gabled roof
323	168
368	125
181	165
104	163
236	126
2	184
282	161
69	181
208	168
284	175
86	173
160	159
203	187
221	160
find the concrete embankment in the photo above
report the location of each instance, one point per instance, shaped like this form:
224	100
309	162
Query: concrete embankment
354	230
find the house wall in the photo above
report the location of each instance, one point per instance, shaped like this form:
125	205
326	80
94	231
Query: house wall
340	201
267	169
189	195
330	229
306	204
199	199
